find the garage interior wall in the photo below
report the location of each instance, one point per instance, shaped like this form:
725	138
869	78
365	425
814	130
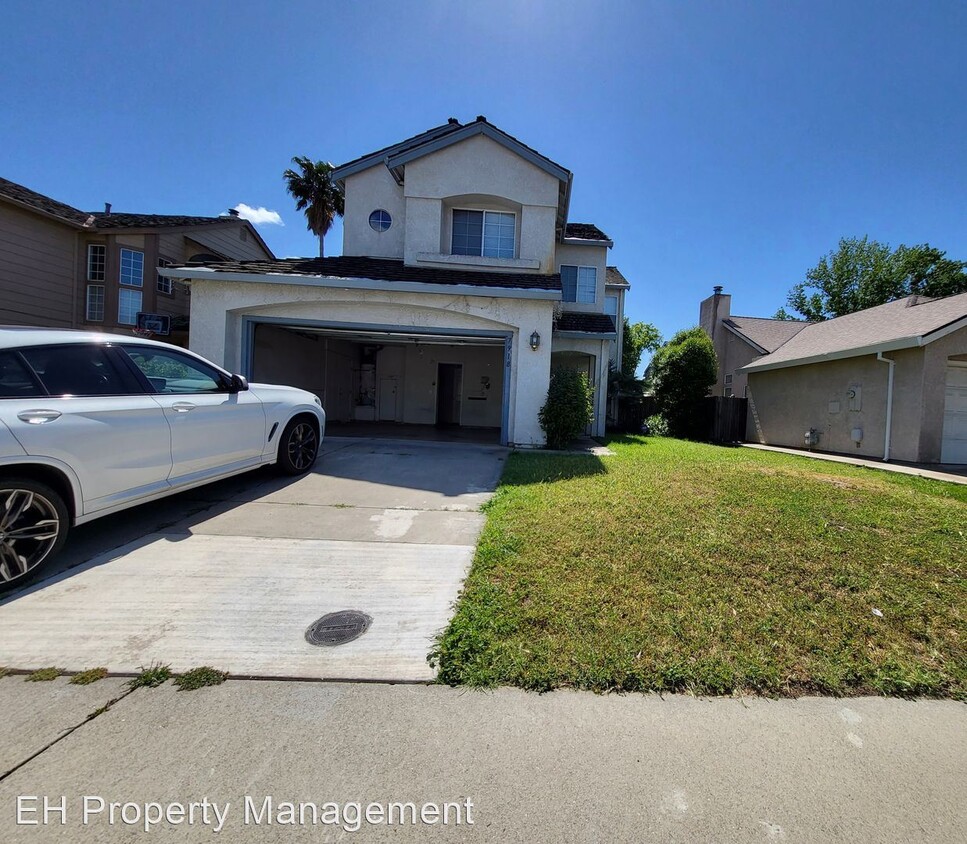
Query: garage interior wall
404	377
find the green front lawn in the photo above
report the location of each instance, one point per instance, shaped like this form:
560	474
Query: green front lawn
679	566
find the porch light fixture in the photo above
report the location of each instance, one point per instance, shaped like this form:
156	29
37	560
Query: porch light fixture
535	341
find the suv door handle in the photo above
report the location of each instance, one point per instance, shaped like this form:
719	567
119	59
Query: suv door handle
182	406
38	417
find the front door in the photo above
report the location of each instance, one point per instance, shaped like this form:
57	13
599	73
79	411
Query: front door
387	399
449	384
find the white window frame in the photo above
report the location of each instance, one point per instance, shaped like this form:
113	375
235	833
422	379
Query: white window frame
483	230
139	283
728	379
165	285
121	295
577	284
89	313
101	249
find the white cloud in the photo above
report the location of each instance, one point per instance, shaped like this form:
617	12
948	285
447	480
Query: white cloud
259	216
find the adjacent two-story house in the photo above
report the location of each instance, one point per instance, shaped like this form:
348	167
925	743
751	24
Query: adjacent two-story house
61	267
462	283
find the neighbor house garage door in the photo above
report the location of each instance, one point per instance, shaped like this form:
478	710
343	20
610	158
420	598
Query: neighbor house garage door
954	448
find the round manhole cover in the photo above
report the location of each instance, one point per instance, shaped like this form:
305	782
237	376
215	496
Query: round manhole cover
337	628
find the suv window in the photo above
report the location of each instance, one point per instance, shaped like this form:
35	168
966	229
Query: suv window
171	372
78	370
16	381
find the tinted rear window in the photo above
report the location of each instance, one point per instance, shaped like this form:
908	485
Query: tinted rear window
16	382
78	371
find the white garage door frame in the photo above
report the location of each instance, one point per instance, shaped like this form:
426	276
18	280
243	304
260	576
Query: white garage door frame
250	323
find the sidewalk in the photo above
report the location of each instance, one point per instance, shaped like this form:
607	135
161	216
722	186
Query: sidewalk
940	472
565	766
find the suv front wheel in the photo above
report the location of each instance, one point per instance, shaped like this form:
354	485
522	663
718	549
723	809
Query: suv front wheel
33	527
298	446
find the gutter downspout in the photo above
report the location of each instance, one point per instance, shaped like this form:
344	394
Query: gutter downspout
889	405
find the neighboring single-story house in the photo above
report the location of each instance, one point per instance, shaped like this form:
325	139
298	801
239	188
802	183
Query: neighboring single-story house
887	382
461	284
739	340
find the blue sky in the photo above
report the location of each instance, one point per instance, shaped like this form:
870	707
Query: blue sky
717	142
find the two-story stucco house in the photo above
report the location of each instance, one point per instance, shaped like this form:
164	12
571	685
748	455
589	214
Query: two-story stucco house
61	267
462	283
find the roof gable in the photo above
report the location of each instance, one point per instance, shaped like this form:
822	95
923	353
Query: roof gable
33	201
765	335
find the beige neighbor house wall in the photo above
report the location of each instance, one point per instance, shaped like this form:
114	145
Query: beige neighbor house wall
787	402
37	261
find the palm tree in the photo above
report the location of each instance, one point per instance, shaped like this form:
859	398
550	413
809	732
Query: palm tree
315	193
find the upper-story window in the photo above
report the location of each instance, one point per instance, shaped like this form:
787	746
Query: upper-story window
165	285
492	234
132	276
580	284
380	220
96	257
611	305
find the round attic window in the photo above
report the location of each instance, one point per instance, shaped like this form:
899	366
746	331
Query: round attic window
380	220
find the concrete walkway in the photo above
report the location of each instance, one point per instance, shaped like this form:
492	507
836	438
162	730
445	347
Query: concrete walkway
561	767
385	527
953	475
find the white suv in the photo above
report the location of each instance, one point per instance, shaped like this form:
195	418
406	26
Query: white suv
93	423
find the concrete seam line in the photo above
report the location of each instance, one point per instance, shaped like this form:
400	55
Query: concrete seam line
65	734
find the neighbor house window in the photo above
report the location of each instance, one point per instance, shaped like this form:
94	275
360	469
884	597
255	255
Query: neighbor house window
132	268
728	379
492	234
580	284
132	275
165	285
728	392
96	255
95	302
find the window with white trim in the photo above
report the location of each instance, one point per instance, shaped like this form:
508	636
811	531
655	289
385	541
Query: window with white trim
728	379
611	305
96	258
491	234
728	392
132	268
580	284
129	304
165	285
94	311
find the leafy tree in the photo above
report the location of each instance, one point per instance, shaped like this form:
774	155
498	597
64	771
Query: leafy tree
569	408
315	193
636	338
783	314
682	372
863	273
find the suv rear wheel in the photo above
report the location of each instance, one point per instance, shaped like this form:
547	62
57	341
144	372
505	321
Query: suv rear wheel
33	527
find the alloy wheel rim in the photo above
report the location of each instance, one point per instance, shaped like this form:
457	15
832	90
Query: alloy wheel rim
302	445
29	526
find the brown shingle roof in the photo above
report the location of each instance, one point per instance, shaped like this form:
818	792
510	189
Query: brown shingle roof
614	278
39	202
122	220
768	334
585	323
585	231
384	269
896	325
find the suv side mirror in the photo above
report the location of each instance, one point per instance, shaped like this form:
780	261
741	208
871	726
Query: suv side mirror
239	384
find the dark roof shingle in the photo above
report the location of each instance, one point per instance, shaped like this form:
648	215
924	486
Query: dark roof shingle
44	204
585	231
122	220
768	334
586	323
384	269
614	278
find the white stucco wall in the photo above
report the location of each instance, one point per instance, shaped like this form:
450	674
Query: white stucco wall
598	351
218	308
366	192
473	170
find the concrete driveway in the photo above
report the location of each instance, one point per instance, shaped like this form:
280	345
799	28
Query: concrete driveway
231	575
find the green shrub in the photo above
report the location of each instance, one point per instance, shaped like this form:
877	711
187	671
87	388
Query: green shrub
569	408
657	426
683	370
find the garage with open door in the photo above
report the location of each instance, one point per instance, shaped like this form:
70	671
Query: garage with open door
391	380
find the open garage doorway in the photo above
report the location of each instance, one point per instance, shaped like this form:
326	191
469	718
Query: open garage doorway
389	380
